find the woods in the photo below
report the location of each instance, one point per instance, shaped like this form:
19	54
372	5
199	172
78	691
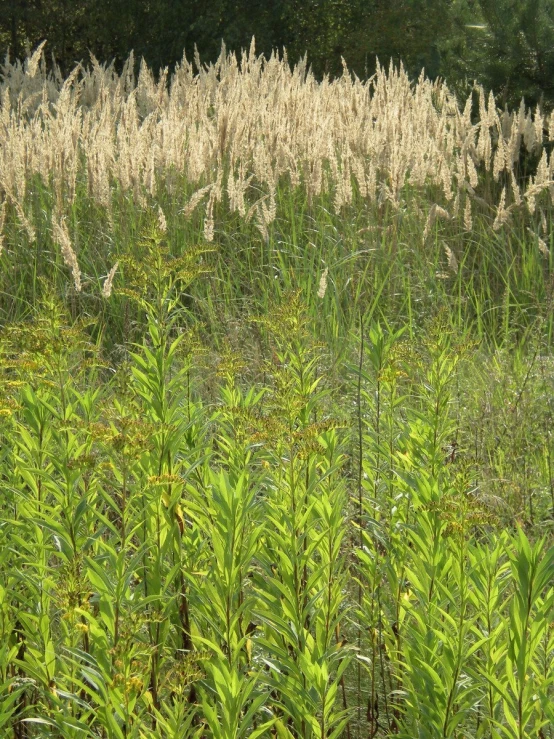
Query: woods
506	45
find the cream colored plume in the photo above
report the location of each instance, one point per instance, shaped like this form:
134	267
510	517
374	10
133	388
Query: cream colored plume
108	282
162	223
248	126
323	283
34	60
451	257
62	239
2	221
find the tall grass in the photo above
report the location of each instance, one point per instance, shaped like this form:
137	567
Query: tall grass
275	407
391	185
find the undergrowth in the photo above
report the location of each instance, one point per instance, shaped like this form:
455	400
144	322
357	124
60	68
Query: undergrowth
303	521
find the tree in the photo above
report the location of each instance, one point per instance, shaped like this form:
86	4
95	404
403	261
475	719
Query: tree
516	53
507	45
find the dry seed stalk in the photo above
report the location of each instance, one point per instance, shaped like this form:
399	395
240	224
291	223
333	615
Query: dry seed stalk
108	282
327	136
62	238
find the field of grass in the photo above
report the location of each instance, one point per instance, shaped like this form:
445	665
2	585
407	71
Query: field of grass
276	407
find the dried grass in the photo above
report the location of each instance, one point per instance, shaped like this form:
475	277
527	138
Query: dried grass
61	237
240	127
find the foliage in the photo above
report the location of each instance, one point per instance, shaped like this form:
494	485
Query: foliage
242	555
516	56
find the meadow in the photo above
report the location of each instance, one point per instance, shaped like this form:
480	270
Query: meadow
276	405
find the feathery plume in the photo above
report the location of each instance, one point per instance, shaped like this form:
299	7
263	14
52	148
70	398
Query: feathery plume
162	223
515	188
323	284
436	211
195	199
451	257
502	212
34	60
544	250
108	282
468	220
62	238
2	221
209	219
25	222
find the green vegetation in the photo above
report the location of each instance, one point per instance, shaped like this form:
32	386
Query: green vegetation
292	480
292	526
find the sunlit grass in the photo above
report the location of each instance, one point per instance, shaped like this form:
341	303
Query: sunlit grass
271	538
294	480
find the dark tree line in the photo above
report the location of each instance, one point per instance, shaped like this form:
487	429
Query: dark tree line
508	45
